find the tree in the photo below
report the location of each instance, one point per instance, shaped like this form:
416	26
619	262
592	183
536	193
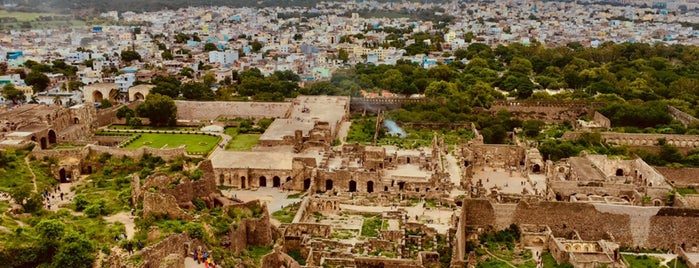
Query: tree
11	93
38	81
255	46
210	47
75	251
160	109
50	230
23	195
130	55
197	91
125	112
343	55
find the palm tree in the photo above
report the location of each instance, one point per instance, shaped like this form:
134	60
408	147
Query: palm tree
57	100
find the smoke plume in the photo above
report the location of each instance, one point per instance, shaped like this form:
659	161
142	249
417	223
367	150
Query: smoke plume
394	129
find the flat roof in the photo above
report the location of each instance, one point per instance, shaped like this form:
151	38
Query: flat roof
259	160
306	111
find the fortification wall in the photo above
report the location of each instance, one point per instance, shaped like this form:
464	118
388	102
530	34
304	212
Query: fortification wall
684	118
652	227
179	244
547	111
680	177
165	154
251	231
374	105
210	110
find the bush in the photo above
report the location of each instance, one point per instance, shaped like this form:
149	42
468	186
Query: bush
199	204
80	202
194	229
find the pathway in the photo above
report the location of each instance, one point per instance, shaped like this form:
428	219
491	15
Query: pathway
126	219
26	160
498	258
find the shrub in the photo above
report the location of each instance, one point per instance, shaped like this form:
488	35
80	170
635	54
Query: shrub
80	202
194	229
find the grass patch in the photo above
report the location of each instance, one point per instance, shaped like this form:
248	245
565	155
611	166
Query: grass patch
194	143
296	195
680	263
154	128
686	191
371	226
243	142
296	254
255	253
641	261
287	214
363	128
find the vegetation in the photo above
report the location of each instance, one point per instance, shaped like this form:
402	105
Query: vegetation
371	226
194	143
160	109
287	214
642	261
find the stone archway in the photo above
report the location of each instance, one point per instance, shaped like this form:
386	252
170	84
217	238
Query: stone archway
276	181
328	185
52	136
407	160
536	168
221	179
62	175
288	179
138	96
76	120
401	185
619	172
263	181
97	96
43	143
306	184
242	182
115	95
352	186
370	187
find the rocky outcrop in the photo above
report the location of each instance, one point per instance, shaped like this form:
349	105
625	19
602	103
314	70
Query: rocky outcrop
159	204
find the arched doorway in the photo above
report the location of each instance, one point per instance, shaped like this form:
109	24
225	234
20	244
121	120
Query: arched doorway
52	136
407	160
536	168
62	175
328	185
288	179
276	181
138	96
620	172
242	182
221	179
385	188
401	185
114	95
370	187
43	143
89	169
352	186
97	96
306	184
263	181
76	120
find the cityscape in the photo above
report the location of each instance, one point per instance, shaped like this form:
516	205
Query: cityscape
396	134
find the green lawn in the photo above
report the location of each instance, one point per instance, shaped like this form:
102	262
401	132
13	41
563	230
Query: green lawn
243	142
193	142
641	261
154	128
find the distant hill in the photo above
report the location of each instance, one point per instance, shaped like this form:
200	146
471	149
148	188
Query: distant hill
155	5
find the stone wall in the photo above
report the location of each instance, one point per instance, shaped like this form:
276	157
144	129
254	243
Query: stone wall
684	118
602	120
547	111
680	177
211	110
279	259
165	154
627	225
178	244
374	105
251	231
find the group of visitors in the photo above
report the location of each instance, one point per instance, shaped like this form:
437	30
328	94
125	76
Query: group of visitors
204	257
49	196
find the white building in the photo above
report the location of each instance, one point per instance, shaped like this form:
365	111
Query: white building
223	57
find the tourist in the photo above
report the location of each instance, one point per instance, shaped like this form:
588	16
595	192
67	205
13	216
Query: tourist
201	257
206	256
194	255
61	196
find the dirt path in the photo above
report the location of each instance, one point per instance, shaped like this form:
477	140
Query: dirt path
26	160
126	219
